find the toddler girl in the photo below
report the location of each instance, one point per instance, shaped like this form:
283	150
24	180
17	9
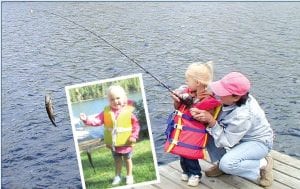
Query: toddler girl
121	129
187	137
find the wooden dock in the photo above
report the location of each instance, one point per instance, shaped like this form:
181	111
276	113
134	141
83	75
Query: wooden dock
286	175
90	145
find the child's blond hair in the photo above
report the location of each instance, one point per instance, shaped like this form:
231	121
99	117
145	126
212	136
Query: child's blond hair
117	89
202	72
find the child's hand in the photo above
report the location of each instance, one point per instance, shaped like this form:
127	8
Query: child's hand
176	100
83	117
174	97
132	139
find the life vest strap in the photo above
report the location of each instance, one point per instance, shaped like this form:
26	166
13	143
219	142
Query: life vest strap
119	129
194	129
186	128
177	112
174	142
176	126
185	145
123	129
184	116
217	111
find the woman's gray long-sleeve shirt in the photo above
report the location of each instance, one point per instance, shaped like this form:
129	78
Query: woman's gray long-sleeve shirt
239	124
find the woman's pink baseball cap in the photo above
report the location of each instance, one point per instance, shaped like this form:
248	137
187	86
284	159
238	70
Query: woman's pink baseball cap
233	83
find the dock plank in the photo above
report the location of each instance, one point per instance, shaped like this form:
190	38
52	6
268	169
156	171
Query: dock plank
286	176
170	173
277	185
285	159
90	145
286	179
286	172
286	169
142	186
212	182
235	181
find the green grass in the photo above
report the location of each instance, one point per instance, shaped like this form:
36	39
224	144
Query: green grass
143	166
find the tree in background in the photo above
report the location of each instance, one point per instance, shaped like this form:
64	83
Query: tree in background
79	94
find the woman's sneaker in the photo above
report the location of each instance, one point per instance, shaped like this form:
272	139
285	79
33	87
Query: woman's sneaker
266	173
129	180
214	171
184	177
194	180
117	180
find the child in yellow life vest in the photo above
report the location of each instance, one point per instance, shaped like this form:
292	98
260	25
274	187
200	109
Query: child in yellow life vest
121	129
186	136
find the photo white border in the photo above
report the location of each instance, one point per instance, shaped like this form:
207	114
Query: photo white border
139	75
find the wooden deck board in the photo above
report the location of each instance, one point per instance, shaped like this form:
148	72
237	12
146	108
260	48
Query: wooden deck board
90	145
236	182
286	176
286	180
286	172
288	160
174	176
208	181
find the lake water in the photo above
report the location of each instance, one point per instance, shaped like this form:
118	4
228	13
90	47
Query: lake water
43	53
92	108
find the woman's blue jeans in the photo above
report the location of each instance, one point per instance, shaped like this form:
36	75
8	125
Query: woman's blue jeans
242	160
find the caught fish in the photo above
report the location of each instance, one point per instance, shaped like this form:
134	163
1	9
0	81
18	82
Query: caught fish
49	108
90	160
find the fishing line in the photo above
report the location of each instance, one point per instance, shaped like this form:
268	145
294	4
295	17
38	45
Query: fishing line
120	51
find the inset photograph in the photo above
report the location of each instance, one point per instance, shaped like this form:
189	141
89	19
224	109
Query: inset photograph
112	133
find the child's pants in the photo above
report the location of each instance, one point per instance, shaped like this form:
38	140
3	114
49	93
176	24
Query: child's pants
190	166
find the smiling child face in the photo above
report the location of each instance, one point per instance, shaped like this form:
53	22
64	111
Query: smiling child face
117	98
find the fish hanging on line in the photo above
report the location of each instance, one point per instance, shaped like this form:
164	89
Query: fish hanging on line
49	108
89	155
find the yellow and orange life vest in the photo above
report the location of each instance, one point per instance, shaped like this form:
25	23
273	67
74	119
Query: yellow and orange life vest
117	130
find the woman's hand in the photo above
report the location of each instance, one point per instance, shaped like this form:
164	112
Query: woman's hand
203	116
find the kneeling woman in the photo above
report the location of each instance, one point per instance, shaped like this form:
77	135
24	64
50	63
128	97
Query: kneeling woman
242	129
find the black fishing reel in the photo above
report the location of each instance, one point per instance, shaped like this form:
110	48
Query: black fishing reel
187	100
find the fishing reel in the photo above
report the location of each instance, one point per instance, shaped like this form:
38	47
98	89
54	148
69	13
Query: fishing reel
186	99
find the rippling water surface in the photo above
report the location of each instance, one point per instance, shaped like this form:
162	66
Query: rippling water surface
43	53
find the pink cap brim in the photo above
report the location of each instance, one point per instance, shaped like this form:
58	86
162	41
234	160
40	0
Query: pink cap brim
218	89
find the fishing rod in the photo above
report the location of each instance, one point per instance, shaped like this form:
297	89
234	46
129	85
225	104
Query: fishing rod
186	101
